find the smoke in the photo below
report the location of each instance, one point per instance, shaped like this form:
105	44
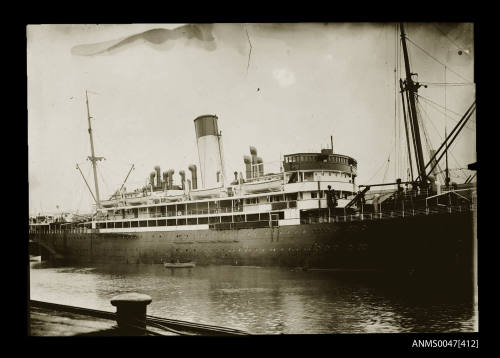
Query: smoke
161	39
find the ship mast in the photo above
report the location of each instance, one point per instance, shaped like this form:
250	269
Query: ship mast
93	158
412	88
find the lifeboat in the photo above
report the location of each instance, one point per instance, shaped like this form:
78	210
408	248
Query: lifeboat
262	186
207	193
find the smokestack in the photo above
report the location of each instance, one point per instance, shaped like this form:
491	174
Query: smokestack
158	177
183	179
235	176
165	180
259	167
170	178
194	178
248	166
253	152
152	179
209	149
189	184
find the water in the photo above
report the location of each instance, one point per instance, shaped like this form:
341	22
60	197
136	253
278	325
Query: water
266	300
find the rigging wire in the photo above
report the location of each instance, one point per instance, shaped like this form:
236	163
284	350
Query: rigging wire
433	105
428	143
384	164
440	106
447	83
387	168
451	41
439	135
395	100
435	59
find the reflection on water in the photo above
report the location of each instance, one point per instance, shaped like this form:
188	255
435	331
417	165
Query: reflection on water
266	300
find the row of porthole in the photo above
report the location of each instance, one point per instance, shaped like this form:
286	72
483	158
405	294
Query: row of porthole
263	250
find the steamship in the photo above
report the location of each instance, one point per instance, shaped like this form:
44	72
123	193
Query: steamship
311	213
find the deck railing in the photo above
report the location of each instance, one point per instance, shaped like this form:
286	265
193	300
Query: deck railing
383	215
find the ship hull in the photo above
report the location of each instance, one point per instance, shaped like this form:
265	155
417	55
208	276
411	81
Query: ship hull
434	243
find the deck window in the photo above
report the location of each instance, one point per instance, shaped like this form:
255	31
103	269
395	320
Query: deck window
162	222
227	219
134	224
170	222
192	221
181	222
264	216
252	217
203	220
126	224
238	218
308	176
214	219
251	201
118	225
151	223
143	223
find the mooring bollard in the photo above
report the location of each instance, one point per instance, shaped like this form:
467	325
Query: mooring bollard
131	312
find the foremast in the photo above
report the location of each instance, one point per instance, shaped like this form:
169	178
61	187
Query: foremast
411	88
93	158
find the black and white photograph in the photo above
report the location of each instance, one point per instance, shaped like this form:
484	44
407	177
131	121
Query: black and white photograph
241	179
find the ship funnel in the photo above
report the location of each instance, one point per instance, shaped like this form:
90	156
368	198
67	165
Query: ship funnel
189	184
209	150
248	166
152	178
158	177
170	173
194	178
236	176
253	152
183	179
259	167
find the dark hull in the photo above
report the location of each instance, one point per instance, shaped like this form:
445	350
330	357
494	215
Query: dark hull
436	243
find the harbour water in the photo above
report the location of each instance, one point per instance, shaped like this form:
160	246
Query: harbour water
267	300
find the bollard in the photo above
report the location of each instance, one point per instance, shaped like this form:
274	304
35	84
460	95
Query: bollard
131	312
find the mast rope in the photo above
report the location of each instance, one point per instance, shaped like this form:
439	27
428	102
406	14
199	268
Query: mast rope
435	59
428	142
379	169
447	83
434	104
439	135
452	42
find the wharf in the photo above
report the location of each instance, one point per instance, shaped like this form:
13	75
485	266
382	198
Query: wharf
50	319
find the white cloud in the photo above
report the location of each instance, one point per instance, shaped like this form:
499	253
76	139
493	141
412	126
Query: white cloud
284	77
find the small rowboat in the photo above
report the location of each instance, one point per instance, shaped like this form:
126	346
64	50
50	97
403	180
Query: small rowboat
179	264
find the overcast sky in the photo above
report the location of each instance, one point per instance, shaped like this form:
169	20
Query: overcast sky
282	88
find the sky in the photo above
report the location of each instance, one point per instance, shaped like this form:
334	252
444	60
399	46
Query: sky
283	88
